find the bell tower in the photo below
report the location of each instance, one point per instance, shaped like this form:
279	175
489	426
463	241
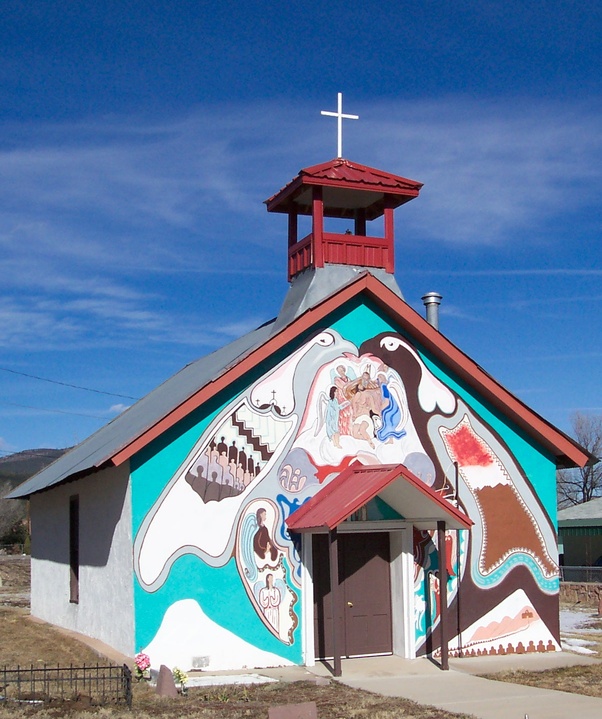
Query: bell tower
323	261
344	190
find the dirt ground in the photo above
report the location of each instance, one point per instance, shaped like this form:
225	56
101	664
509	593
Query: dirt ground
333	701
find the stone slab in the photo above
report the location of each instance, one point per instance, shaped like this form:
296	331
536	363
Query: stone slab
307	710
166	686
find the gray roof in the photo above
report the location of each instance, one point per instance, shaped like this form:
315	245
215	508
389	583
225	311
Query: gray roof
107	441
581	514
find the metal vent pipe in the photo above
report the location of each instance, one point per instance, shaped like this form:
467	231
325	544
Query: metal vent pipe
432	300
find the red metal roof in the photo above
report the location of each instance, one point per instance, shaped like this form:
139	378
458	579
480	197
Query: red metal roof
350	177
358	484
343	171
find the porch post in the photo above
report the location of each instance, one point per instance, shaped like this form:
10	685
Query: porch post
336	604
443	594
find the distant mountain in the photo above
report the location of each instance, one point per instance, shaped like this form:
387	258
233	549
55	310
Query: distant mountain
16	468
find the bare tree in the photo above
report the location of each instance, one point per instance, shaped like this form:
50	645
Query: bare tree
584	483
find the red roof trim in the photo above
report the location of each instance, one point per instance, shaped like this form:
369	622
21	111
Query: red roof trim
411	191
353	488
555	441
289	189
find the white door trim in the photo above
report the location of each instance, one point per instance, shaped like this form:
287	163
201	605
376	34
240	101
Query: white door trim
401	541
402	591
307	592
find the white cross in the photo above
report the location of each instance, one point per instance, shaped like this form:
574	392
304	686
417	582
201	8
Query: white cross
339	115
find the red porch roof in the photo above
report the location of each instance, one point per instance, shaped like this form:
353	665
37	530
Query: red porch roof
358	484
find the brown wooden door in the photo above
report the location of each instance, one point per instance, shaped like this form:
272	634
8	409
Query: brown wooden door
365	584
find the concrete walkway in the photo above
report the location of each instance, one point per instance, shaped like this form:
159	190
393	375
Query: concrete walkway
459	690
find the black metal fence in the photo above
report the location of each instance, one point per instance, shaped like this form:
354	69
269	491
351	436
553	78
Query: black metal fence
581	574
89	685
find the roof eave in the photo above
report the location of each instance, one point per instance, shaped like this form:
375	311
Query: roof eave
64	480
586	522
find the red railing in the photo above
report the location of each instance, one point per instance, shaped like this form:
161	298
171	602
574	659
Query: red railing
343	250
299	256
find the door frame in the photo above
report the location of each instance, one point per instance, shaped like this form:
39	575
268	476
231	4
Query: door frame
401	568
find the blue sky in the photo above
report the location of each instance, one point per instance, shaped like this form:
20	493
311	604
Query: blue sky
139	140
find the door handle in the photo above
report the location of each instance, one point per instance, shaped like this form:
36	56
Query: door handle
349	604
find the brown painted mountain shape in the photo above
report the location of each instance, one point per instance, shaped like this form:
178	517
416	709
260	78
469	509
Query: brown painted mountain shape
509	528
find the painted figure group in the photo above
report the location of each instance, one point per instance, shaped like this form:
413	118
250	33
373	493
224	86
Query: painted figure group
362	408
227	465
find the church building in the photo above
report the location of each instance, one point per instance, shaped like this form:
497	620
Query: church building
342	481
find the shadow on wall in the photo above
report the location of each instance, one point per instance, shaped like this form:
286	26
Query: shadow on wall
101	505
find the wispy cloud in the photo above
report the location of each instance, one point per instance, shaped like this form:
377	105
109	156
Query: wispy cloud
449	310
118	408
91	212
40	324
493	168
6	446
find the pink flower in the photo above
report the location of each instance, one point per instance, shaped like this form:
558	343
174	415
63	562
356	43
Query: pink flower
142	661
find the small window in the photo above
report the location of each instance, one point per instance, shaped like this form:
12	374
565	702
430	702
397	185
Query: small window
74	549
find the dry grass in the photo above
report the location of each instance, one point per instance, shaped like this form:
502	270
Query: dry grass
583	679
27	642
335	701
14	580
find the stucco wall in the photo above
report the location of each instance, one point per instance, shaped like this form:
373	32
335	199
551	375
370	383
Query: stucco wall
105	608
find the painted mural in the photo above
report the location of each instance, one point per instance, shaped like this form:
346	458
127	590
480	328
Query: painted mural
329	404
